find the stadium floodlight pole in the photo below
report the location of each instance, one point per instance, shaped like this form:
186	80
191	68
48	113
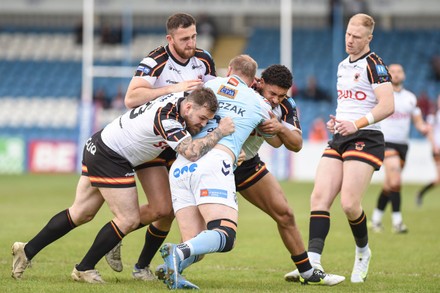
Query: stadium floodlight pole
338	40
286	33
86	106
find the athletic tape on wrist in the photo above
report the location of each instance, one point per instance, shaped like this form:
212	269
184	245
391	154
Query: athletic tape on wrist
370	118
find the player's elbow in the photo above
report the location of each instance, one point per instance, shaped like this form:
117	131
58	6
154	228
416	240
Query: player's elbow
391	110
130	103
295	146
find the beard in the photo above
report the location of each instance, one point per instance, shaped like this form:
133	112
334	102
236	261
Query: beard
185	53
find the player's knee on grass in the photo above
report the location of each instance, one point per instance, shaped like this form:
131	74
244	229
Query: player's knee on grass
228	229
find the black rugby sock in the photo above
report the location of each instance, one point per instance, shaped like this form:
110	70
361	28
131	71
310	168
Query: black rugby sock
153	240
382	201
302	262
395	201
359	230
319	227
57	227
108	237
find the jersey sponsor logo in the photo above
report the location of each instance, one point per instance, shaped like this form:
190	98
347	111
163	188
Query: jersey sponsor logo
227	92
232	108
174	69
381	70
196	66
185	169
90	146
291	102
171	124
212	192
382	79
143	70
400	115
169	96
233	81
347	94
161	144
171	81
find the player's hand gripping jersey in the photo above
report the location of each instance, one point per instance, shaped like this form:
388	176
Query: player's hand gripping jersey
245	106
142	133
356	83
286	113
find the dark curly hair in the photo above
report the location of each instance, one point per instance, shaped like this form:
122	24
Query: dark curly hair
278	75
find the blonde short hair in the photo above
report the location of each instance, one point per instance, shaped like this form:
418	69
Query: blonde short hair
364	20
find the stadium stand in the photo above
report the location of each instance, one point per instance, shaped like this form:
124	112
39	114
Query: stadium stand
312	56
41	67
41	79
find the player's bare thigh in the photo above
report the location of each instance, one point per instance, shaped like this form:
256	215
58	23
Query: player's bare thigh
267	195
155	183
357	178
328	182
124	204
190	222
214	211
88	201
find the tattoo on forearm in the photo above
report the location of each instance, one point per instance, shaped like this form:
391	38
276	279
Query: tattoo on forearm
195	149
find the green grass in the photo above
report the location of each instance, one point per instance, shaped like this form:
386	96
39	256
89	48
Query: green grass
400	263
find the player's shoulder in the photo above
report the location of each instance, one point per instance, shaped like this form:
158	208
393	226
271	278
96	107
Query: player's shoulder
289	102
159	55
410	96
202	54
159	51
376	63
409	93
377	69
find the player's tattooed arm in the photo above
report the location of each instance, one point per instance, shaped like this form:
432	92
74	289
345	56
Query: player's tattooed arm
195	149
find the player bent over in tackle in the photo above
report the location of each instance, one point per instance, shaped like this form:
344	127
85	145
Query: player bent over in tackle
205	201
107	175
203	192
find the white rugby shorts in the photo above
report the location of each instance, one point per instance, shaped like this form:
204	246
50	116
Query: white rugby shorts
208	180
